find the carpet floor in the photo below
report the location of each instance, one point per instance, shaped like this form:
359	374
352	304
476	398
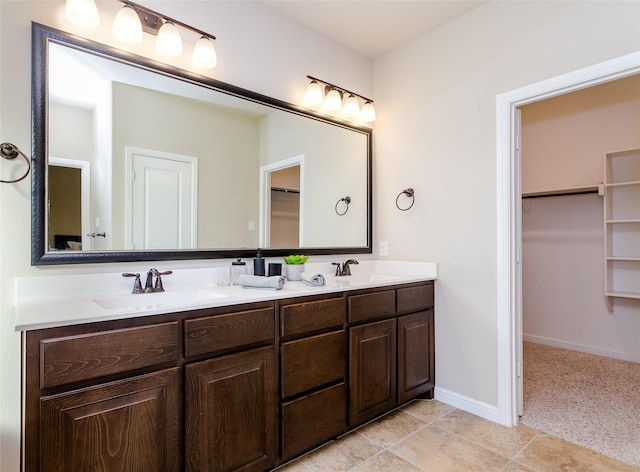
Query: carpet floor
586	399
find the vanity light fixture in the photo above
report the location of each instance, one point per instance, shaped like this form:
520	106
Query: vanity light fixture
331	96
83	13
133	19
127	26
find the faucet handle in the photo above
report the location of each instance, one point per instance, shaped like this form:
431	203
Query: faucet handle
158	287
137	284
338	271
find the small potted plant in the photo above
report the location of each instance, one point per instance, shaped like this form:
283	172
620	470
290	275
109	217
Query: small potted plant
294	266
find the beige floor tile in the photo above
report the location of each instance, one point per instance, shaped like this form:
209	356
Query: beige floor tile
386	462
428	410
550	454
501	439
342	454
294	466
392	428
515	467
434	449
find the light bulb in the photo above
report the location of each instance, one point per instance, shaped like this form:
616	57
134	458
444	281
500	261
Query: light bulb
204	54
368	112
351	106
313	96
82	13
169	42
333	102
127	26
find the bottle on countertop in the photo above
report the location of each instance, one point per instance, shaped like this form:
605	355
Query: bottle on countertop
258	264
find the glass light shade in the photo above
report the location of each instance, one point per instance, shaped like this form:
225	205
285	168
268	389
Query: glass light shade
127	26
368	112
204	54
333	102
351	107
82	13
313	96
168	41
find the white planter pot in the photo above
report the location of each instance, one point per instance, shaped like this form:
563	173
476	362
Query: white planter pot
293	271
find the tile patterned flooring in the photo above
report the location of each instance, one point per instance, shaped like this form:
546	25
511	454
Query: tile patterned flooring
427	435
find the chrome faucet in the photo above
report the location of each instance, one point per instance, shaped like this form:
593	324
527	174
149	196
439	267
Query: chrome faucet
149	286
343	269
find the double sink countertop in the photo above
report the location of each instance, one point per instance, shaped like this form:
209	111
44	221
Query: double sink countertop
45	302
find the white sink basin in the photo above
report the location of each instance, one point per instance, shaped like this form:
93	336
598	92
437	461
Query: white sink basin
359	279
137	301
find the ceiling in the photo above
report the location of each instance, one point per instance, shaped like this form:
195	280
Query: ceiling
373	27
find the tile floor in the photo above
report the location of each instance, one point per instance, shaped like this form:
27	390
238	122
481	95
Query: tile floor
427	435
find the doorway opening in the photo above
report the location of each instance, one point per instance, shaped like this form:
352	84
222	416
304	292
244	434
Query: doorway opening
282	203
69	221
509	217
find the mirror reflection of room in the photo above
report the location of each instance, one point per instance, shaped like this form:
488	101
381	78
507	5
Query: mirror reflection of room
285	207
101	110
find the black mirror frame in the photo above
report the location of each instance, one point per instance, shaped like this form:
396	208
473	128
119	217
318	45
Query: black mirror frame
41	35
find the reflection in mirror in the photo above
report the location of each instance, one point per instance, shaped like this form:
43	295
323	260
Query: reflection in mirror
180	166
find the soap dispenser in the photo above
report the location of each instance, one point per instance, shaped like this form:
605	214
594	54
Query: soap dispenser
258	264
237	269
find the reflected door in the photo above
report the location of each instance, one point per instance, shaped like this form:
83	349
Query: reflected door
163	201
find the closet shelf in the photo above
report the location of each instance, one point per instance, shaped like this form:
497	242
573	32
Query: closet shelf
629	220
620	294
622	229
623	184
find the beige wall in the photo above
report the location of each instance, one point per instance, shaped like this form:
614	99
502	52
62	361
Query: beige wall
564	139
224	142
436	132
258	49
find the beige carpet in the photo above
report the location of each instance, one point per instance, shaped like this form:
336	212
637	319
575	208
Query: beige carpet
588	400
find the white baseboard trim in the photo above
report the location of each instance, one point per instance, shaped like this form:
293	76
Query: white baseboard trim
581	348
478	408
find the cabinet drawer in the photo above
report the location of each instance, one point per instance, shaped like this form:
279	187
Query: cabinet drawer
372	306
311	420
312	316
87	356
415	298
218	333
312	362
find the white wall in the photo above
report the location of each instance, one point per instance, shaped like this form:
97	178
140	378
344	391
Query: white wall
258	49
435	132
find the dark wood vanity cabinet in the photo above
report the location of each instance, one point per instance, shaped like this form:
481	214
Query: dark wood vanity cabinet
313	353
184	391
391	342
237	388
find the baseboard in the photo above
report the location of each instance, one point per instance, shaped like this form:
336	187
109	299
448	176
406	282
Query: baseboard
581	348
470	405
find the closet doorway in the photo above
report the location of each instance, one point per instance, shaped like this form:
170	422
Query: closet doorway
568	329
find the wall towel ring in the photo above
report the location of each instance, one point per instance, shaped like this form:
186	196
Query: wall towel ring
10	151
346	200
409	193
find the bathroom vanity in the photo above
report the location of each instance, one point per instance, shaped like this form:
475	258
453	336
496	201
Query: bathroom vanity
233	386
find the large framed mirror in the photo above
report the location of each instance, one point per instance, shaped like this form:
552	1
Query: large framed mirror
136	160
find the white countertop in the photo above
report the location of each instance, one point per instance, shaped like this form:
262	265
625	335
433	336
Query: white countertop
44	302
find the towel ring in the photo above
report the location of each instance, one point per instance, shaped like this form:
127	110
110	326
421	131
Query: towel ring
347	201
10	151
409	193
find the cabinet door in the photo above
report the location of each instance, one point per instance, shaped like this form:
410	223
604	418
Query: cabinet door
372	375
132	424
415	355
231	413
